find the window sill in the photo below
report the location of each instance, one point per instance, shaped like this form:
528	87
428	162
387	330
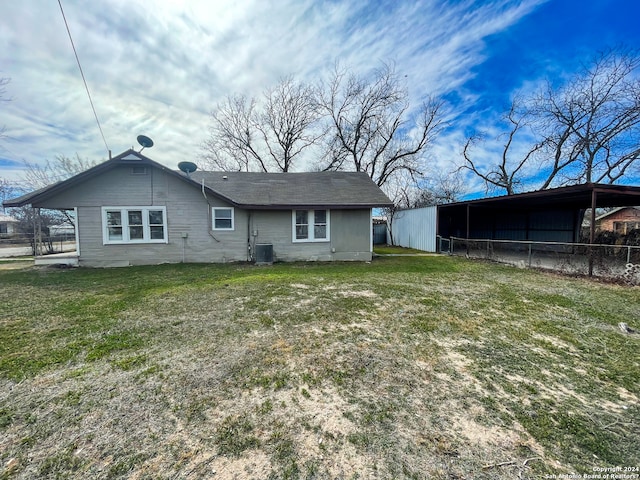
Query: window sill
133	242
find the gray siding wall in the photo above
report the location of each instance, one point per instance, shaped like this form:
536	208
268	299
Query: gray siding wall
350	232
190	238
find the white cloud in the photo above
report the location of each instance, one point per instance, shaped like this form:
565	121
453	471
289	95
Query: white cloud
158	67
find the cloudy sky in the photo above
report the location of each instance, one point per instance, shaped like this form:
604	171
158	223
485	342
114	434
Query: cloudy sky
158	67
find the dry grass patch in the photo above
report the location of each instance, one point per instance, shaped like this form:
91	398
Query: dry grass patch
403	368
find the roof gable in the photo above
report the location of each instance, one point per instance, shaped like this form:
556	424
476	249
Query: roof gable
127	158
614	211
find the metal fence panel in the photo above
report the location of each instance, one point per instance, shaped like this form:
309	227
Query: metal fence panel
620	262
379	233
415	228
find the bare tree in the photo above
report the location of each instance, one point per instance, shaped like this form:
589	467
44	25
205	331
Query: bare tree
586	130
7	190
231	145
508	173
266	136
401	189
287	122
62	167
591	125
370	129
438	187
29	217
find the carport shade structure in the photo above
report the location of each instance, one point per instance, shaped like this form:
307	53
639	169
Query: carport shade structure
553	215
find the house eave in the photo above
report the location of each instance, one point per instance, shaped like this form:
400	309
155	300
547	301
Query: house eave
311	206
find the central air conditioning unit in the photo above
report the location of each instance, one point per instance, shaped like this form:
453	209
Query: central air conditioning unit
264	254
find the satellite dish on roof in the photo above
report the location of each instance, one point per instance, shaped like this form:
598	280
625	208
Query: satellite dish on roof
187	167
145	142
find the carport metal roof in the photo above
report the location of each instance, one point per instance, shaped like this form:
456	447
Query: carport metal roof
576	197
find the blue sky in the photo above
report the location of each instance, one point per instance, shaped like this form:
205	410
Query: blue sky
159	67
552	41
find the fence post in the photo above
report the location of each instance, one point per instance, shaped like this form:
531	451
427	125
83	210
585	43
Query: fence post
629	254
529	259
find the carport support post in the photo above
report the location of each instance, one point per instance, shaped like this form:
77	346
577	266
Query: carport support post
592	229
468	228
37	232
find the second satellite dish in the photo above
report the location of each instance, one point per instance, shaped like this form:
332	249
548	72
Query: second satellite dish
145	142
187	167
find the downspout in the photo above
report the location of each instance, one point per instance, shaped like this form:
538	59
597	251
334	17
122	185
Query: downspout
209	226
77	231
371	231
249	249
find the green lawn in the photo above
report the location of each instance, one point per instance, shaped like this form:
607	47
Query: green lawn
405	367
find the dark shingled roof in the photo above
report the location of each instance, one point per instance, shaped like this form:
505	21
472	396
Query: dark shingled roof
246	189
301	190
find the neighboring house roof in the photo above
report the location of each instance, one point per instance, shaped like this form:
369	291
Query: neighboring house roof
615	210
7	219
245	189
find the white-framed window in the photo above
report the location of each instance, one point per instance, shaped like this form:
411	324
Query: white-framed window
222	218
310	226
134	225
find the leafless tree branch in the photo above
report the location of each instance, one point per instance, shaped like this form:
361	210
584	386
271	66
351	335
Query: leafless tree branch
370	128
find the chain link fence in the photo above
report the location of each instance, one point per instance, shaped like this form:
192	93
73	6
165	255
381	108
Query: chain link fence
63	242
620	262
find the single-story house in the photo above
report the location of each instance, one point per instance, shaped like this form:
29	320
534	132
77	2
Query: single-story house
8	225
132	210
620	220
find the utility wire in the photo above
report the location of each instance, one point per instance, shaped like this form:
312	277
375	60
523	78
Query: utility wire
82	73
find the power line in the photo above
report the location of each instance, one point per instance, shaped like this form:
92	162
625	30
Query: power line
82	73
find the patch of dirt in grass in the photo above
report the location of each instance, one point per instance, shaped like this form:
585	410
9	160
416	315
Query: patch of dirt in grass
556	342
347	290
482	435
254	465
478	432
358	293
626	396
16	264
